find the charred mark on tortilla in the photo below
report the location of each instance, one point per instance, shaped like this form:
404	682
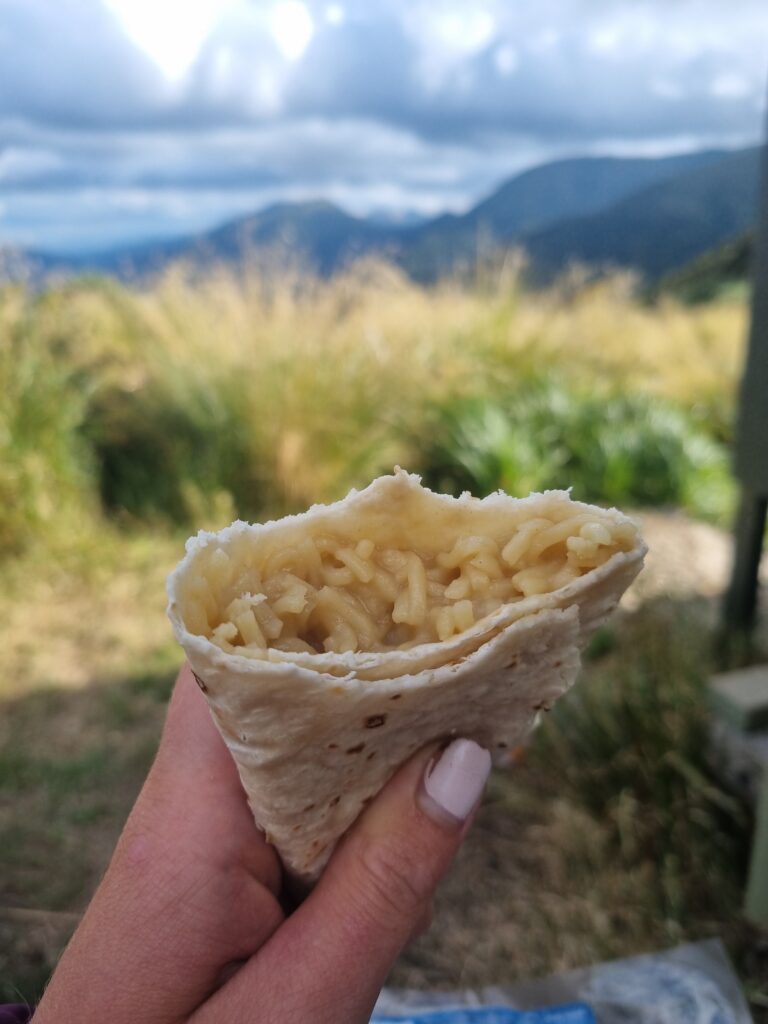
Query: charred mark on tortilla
309	807
357	749
371	756
396	696
332	746
334	801
375	721
200	682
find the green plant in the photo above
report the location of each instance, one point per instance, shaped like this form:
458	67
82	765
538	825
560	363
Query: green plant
615	448
179	455
46	472
630	743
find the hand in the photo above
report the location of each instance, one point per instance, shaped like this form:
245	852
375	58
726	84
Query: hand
187	924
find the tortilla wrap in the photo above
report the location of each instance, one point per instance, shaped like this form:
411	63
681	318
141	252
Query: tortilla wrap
317	728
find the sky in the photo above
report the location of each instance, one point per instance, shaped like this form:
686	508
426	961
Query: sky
127	120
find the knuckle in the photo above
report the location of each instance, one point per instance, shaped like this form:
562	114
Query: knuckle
397	882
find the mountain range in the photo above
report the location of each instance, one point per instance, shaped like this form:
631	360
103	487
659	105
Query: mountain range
650	215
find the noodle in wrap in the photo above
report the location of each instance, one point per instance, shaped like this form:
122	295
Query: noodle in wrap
334	644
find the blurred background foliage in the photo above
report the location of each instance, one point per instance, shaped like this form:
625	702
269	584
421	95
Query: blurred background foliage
200	398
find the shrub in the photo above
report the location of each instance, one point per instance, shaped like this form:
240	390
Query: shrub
625	449
183	460
46	473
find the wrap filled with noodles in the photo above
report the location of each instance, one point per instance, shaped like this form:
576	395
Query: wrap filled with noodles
333	644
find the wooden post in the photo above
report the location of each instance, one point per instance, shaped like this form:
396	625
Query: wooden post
751	454
740	606
756	899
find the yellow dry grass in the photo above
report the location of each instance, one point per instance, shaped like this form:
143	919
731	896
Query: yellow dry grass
325	384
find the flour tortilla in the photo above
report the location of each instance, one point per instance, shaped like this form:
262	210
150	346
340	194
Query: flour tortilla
315	737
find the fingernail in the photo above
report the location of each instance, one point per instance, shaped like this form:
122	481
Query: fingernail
453	784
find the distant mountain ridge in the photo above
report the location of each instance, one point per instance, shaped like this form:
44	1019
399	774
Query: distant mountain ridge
658	228
726	270
652	215
537	199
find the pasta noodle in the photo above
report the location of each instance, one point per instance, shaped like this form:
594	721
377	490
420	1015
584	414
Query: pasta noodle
340	594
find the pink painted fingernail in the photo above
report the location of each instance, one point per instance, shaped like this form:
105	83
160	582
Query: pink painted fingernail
453	784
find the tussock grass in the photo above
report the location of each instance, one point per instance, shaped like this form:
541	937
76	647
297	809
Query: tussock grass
631	745
196	399
45	468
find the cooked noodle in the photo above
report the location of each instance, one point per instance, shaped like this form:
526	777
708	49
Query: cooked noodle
335	593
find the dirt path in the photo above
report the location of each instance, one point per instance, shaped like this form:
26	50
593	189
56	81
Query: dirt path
685	557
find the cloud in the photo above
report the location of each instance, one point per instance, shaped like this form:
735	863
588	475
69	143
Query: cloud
69	64
420	103
428	67
191	180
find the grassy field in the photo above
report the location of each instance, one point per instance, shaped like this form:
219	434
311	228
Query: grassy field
131	417
191	400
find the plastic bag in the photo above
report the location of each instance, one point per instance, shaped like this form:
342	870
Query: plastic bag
693	984
576	1013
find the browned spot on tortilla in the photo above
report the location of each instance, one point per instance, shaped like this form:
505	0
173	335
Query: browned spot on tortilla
296	828
375	721
556	664
309	807
396	696
502	746
334	801
200	682
338	689
371	756
513	663
332	746
365	802
357	749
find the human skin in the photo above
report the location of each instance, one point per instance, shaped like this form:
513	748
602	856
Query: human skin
190	920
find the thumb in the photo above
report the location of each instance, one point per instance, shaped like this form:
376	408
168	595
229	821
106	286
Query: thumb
330	959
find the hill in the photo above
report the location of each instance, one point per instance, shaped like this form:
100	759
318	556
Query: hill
653	215
659	228
719	271
534	200
317	235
